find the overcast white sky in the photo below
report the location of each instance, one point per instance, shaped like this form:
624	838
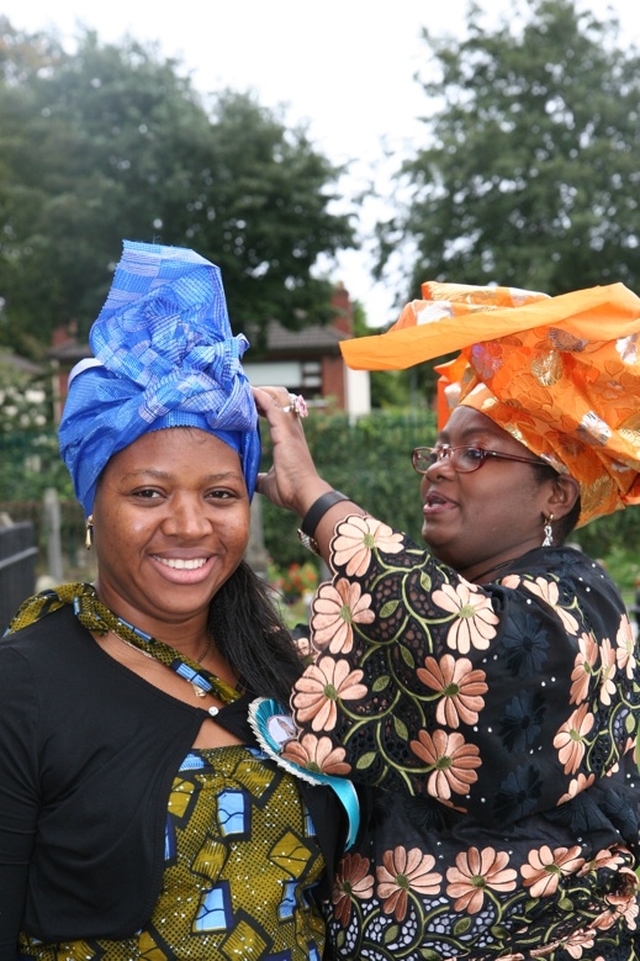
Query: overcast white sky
339	65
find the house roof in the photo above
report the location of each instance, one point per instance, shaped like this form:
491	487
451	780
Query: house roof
281	342
70	352
20	363
315	339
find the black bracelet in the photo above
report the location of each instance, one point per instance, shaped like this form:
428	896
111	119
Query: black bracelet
313	517
318	509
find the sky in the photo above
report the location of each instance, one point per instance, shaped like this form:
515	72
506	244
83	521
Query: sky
337	66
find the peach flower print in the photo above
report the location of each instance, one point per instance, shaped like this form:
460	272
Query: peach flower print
569	741
352	881
512	581
625	646
474	873
402	871
317	691
460	686
583	668
548	591
577	784
317	755
335	608
453	759
608	668
305	648
357	537
625	901
476	619
575	945
607	858
545	867
605	920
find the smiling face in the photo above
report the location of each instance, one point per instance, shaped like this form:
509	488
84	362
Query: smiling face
475	521
171	523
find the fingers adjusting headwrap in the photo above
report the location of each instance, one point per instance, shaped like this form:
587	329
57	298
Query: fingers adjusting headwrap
164	356
560	374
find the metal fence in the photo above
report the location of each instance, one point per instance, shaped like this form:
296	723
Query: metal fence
17	568
70	535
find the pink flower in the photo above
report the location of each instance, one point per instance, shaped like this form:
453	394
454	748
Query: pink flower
625	652
357	537
352	881
318	690
578	784
317	755
608	669
335	608
548	591
475	871
402	871
578	941
476	619
583	668
569	741
545	867
453	759
460	686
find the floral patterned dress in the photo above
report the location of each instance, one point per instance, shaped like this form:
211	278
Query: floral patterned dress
493	727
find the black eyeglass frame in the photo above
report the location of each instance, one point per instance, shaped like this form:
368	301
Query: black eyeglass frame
444	451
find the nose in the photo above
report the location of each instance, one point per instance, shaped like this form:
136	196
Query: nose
186	517
442	467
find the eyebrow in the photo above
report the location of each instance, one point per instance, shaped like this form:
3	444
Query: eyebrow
478	433
166	475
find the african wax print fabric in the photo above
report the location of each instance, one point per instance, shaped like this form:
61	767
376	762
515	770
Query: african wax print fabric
241	860
495	725
560	374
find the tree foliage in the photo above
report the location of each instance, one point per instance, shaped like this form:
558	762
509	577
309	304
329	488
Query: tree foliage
530	173
112	142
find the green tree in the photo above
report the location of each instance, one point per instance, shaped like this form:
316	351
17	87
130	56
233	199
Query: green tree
112	142
530	174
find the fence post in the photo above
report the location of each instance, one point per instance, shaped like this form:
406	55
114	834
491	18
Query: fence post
52	534
256	553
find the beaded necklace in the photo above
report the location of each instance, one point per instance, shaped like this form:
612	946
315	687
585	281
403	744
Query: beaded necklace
98	619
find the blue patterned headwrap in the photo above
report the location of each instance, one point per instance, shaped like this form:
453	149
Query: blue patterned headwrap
164	356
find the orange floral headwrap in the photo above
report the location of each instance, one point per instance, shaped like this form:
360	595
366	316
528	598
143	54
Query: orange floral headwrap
560	374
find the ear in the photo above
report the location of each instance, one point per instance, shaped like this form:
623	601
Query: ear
564	494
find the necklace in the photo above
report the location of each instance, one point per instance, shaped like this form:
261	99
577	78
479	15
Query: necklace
197	690
491	570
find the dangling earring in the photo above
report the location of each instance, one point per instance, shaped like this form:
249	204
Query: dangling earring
88	532
548	531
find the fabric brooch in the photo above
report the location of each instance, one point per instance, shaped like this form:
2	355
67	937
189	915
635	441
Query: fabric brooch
274	728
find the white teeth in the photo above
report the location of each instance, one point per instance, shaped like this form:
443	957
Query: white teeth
180	564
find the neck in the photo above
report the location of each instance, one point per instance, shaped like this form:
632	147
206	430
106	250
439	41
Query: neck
189	635
484	576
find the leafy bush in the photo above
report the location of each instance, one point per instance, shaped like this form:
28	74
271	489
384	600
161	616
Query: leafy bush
369	461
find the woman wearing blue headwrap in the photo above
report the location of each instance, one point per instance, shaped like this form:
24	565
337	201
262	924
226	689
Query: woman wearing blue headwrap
137	815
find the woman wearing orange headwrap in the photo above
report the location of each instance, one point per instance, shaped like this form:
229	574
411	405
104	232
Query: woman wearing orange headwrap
485	692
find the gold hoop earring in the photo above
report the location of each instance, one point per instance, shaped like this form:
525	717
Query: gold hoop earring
548	531
88	532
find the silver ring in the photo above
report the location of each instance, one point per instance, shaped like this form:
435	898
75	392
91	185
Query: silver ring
297	405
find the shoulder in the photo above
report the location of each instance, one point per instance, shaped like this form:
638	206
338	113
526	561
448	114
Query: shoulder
570	567
566	578
50	634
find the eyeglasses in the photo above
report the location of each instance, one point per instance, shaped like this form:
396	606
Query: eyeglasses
464	460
